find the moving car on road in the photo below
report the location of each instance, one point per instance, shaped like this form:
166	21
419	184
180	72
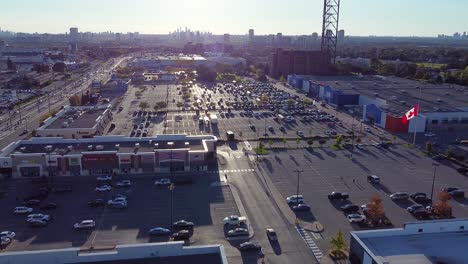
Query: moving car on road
373	179
399	196
9	234
271	234
104	178
295	199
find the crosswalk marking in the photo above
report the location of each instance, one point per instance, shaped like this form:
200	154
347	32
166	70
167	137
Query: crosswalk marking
310	242
228	171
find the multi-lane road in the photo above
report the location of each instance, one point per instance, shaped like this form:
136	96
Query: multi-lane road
27	116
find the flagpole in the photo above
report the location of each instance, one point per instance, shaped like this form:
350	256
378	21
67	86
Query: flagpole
419	98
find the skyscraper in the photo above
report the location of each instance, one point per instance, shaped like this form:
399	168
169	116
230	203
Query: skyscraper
341	36
74	33
251	35
227	38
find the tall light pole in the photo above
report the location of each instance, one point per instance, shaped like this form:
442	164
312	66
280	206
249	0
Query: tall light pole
297	189
419	99
435	165
171	186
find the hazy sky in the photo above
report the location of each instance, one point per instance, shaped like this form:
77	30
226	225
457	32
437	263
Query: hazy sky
358	17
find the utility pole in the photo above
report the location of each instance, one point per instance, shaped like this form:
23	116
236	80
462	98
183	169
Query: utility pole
415	126
297	190
435	165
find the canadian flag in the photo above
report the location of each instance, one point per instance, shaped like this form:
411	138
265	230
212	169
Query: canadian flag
410	114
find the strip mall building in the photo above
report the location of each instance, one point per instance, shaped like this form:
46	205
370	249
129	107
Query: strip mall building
106	155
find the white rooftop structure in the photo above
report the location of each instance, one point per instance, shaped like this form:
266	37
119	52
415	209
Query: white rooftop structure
437	241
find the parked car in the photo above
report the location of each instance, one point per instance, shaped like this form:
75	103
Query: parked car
463	171
181	235
238	232
271	234
85	224
399	196
295	199
124	183
416	194
5	241
96	202
9	234
159	231
415	207
183	224
350	208
37	223
104	178
32	202
42	217
103	188
248	246
338	196
421	199
356	218
360	146
162	182
235	220
373	179
22	210
119	205
48	206
301	207
421	213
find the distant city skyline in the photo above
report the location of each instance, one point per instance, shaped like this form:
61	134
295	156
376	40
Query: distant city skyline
296	17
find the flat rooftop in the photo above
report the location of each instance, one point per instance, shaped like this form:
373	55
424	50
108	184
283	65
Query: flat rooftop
85	118
401	94
420	248
125	146
202	258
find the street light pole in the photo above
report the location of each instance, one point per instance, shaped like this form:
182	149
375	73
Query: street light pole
435	165
171	187
297	189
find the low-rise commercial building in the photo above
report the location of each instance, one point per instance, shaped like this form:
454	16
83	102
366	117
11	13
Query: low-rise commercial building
438	241
164	253
163	62
107	155
77	122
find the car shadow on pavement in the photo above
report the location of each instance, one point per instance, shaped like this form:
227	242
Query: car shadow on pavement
404	204
360	164
329	153
316	153
293	159
382	187
461	200
268	164
339	203
276	246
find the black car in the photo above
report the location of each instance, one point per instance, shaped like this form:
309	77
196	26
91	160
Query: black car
421	214
421	199
301	207
181	235
338	196
417	194
32	202
183	224
247	246
96	203
463	171
350	208
49	206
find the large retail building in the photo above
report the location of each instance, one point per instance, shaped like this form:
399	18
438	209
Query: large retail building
104	155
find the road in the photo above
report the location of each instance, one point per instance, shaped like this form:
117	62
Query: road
263	212
29	114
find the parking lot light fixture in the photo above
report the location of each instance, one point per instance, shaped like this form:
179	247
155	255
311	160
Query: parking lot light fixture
297	190
435	165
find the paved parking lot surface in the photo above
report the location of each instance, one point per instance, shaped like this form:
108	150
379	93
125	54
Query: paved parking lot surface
326	170
149	206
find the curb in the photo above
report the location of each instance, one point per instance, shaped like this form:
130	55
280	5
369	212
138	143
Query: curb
240	206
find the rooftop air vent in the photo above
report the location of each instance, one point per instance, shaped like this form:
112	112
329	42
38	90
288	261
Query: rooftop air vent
117	146
70	148
48	148
22	149
137	145
90	147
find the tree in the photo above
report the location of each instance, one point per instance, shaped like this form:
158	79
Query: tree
74	100
376	210
59	67
429	147
179	104
338	245
310	142
290	102
284	142
11	65
441	208
339	140
281	79
298	141
270	142
322	141
143	105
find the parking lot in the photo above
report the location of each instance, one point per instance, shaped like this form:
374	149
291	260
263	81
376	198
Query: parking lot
326	170
201	202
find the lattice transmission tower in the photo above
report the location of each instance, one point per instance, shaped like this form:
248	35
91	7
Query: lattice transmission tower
331	13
